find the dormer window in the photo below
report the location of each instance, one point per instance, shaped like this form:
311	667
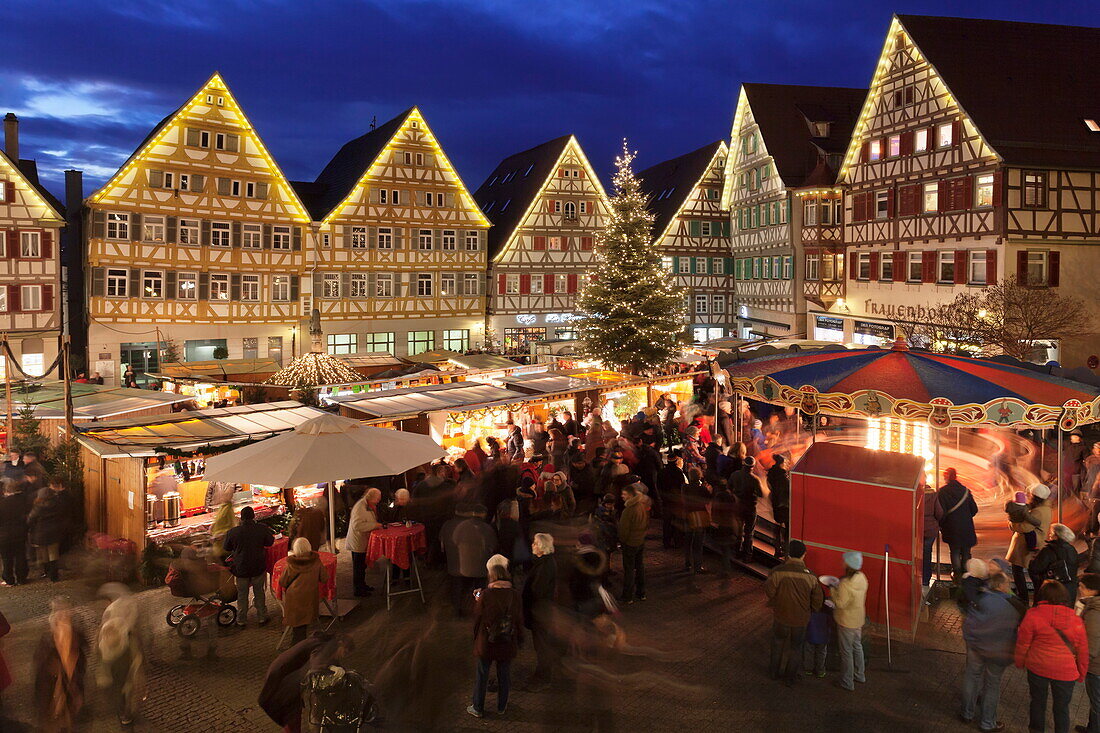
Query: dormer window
821	129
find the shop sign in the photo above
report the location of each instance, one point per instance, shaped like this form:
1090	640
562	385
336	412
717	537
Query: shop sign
882	330
830	323
915	313
526	319
560	317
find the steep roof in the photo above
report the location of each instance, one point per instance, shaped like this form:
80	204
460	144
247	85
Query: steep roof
784	113
508	191
349	165
668	184
29	171
1028	87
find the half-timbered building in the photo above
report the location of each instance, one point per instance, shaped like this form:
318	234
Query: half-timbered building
398	257
30	284
786	147
692	231
196	241
976	158
546	205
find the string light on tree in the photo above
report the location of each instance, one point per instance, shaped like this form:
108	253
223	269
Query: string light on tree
632	312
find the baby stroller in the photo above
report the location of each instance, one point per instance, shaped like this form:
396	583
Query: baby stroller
187	618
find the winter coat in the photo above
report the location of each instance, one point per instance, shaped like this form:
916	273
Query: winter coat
361	523
1091	617
850	601
989	628
468	543
723	512
932	514
281	694
540	589
302	579
514	446
490	605
1040	649
1057	560
746	487
634	521
13	516
957	523
1017	546
51	675
793	593
245	544
49	517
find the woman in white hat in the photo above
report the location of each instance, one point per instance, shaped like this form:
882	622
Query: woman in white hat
1018	553
849	614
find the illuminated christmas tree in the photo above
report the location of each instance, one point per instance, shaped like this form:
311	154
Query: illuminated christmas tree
632	312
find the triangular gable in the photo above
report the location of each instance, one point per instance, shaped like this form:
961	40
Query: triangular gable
12	172
216	86
738	119
690	171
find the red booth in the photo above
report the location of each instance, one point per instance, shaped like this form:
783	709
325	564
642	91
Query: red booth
843	498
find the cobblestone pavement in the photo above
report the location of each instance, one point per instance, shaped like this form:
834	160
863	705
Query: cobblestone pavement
714	676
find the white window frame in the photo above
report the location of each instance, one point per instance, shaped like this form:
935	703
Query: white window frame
920	140
511	284
152	228
330	285
718	304
280	288
1041	258
383	196
473	241
945	135
383	285
221	234
116	283
863	266
250	288
886	267
701	265
983	188
342	343
717	266
448	283
379	338
685	265
30	245
219	283
976	263
358	285
945	258
561	282
359	238
538	284
456	339
882	204
893	146
152	280
875	151
282	238
425	285
702	304
30	295
385	238
182	291
813	267
930	192
189	232
809	212
117	225
471	283
252	236
449	240
914	259
424	239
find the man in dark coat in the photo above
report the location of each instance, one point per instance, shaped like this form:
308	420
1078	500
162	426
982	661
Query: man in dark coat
538	607
14	505
746	489
583	479
48	523
468	542
281	694
671	482
245	545
957	520
779	485
514	446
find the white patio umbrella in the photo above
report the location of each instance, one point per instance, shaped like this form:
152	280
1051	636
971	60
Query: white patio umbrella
324	449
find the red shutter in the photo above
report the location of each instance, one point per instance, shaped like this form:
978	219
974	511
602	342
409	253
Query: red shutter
13	244
1052	269
899	267
990	266
13	299
548	283
9	191
550	206
857	207
1021	267
874	266
540	243
944	195
961	275
956	133
572	280
890	203
502	284
853	265
586	244
928	267
967	192
566	244
907	142
865	155
47	297
47	245
997	188
524	284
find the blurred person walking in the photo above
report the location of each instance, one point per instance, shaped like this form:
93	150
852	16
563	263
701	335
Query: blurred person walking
48	523
539	592
60	662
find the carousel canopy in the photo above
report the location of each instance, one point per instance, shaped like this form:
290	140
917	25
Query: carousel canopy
313	369
916	385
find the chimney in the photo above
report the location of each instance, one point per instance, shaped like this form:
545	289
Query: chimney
11	136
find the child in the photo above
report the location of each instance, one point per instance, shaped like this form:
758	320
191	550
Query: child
1018	515
977	571
818	631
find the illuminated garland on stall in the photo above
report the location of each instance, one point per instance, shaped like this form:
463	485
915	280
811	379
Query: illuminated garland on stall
313	369
632	311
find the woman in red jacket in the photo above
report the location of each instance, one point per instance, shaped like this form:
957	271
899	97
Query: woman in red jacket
1052	646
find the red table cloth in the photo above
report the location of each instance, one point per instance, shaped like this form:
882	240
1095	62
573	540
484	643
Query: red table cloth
396	543
276	552
328	588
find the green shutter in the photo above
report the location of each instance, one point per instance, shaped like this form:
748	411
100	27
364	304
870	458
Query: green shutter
692	260
725	229
729	266
694	228
675	264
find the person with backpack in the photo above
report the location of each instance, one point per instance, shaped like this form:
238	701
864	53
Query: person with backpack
1057	561
957	521
498	634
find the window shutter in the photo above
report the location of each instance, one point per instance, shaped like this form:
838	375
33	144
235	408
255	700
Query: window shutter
1053	275
549	206
956	133
232	143
222	185
586	244
261	190
890	203
99	282
524	283
907	142
694	228
294	287
437	239
990	266
13	244
540	243
47	244
502	284
943	193
899	267
191	137
99	224
13	299
318	281
205	232
198	183
235	287
449	200
170	229
372	196
961	275
170	285
345	284
566	243
865	152
266	240
548	283
874	266
296	238
857	206
204	286
134	290
47	297
997	186
928	266
1021	267
571	279
853	266
9	191
398	239
905	201
135	227
156	179
235	229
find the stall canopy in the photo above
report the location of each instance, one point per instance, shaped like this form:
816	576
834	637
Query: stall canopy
396	403
435	356
549	382
193	431
217	369
91	401
912	384
483	361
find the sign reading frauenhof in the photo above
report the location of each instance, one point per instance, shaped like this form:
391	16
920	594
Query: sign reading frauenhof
916	313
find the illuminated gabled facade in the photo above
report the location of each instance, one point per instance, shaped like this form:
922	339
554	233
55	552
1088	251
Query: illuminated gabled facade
198	239
693	233
398	254
30	284
546	205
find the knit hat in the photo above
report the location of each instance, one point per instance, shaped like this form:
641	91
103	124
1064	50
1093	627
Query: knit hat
853	560
608	499
1040	491
757	424
1021	497
796	549
976	568
497	559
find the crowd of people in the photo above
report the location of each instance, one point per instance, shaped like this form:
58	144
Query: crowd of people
36	517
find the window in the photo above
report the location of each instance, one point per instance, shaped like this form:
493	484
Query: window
330	285
358	237
812	264
220	234
117	283
666	263
755	268
944	135
931	201
809	212
471	283
152	284
448	283
187	285
457	339
219	287
152	228
383	194
472	243
250	347
420	158
424	240
788	265
188	231
30	244
280	288
342	343
379	342
408	158
1035	193
864	267
252	236
421	341
886	267
766	274
718	304
826	212
449	240
219	141
395	197
511	284
1092	125
185	181
424	284
118	226
30	299
702	304
358	285
250	190
882	204
570	210
876	149
250	287
893	146
765	171
537	284
33	363
280	238
916	267
685	265
978	272
718	266
920	140
385	238
832	267
1037	268
701	265
945	272
383	285
204	139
